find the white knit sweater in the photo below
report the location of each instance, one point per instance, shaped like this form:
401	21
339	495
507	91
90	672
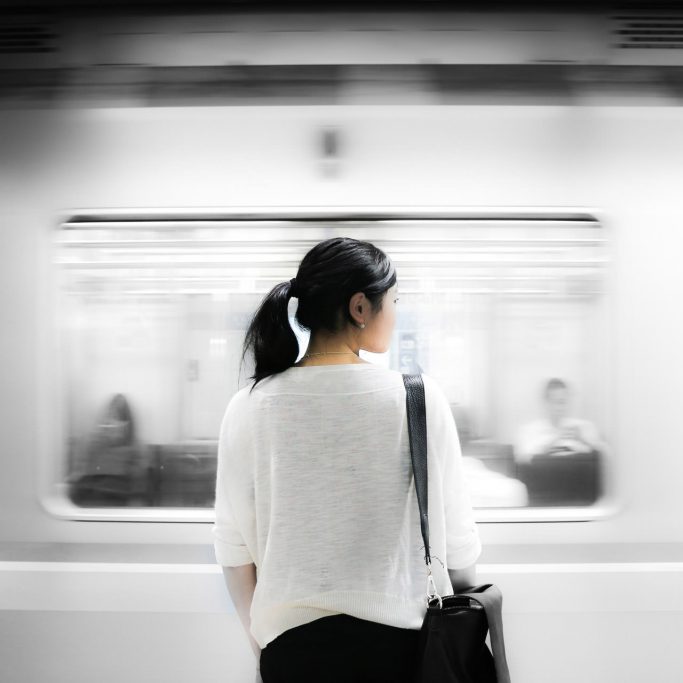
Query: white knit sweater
315	487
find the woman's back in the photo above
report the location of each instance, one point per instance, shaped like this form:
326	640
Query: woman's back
315	487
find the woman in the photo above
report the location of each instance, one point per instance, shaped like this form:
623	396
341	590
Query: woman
115	467
314	492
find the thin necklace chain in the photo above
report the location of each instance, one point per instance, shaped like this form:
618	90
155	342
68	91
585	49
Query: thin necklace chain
329	353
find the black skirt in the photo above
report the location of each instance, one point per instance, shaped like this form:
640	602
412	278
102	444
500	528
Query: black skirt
341	648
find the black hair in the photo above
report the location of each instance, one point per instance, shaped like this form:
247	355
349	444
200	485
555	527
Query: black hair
328	276
553	383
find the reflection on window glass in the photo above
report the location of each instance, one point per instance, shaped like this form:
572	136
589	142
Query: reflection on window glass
509	315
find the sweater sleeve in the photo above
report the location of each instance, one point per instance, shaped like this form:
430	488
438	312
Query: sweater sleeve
463	545
229	545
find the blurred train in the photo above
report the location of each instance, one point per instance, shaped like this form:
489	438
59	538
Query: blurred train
161	170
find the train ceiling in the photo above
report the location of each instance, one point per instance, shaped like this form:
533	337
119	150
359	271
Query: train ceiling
149	53
318	6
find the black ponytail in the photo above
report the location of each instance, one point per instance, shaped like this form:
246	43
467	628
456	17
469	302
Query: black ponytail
328	276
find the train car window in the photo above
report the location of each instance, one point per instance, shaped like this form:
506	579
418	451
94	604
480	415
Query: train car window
508	311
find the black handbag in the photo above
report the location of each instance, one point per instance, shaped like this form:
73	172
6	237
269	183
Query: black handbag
452	643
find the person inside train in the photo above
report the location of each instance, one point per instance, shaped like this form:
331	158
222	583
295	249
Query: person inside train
114	468
317	527
557	433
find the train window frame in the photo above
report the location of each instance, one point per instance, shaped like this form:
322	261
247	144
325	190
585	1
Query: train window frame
320	224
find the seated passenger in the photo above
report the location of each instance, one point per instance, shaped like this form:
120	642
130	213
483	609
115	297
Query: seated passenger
114	470
557	433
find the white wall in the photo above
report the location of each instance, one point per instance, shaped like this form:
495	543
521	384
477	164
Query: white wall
174	623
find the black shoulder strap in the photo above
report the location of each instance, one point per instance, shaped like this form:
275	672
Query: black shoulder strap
417	433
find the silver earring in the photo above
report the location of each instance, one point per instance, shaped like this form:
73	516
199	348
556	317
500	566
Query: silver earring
362	325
